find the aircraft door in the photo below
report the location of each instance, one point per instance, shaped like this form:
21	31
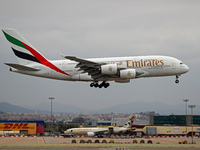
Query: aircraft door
173	66
71	131
63	65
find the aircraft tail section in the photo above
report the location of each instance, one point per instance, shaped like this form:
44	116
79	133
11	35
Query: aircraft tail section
21	67
129	123
132	119
24	51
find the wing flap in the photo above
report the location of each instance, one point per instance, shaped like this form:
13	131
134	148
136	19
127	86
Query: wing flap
96	76
21	67
94	72
87	66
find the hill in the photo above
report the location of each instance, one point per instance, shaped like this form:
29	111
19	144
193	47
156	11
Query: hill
7	107
132	107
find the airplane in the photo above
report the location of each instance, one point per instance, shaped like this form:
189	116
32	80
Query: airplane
98	131
118	69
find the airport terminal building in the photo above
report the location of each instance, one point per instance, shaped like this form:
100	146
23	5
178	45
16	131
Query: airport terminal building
172	125
21	127
174	120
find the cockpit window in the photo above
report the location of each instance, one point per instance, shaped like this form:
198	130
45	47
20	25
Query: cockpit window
181	63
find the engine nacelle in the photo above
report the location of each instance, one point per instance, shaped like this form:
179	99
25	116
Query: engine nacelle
90	134
123	81
128	74
109	69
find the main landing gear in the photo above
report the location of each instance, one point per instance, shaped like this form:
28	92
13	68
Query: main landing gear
103	84
177	81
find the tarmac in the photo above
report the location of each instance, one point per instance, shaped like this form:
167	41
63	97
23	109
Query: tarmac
44	143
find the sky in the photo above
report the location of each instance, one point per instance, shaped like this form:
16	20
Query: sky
91	29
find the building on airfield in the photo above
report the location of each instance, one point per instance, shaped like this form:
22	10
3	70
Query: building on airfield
21	127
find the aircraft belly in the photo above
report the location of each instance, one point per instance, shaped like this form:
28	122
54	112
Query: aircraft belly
85	77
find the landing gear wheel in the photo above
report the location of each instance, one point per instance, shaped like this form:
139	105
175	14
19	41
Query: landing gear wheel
96	85
100	86
106	85
177	81
92	84
103	84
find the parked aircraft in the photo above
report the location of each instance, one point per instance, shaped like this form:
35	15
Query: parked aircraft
118	69
101	131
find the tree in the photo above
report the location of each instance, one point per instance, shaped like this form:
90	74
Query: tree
78	120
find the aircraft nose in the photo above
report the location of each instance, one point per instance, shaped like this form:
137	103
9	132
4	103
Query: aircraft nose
185	68
66	131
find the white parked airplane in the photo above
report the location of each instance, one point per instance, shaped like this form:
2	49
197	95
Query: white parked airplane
118	69
101	131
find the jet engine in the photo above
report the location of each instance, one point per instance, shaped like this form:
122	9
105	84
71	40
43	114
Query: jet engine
128	73
90	134
109	69
123	81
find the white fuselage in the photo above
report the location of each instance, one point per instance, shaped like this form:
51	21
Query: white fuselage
149	66
84	131
95	131
118	69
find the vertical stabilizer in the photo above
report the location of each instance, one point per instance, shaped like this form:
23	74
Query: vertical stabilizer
129	123
24	51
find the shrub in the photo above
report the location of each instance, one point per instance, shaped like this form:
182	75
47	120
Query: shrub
89	141
82	141
149	142
96	141
111	141
184	142
104	141
142	142
73	141
157	142
135	141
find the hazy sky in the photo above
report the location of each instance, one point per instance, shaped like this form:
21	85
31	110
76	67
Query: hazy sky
104	28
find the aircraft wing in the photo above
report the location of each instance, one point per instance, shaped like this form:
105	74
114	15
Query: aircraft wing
83	61
90	67
101	131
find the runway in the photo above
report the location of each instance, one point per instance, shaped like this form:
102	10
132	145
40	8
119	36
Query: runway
89	148
42	143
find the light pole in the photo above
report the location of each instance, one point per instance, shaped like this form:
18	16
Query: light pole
51	98
186	100
192	106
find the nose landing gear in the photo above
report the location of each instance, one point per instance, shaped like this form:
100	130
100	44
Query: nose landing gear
103	84
177	81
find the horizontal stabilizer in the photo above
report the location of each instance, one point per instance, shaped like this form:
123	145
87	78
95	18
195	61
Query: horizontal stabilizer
21	67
